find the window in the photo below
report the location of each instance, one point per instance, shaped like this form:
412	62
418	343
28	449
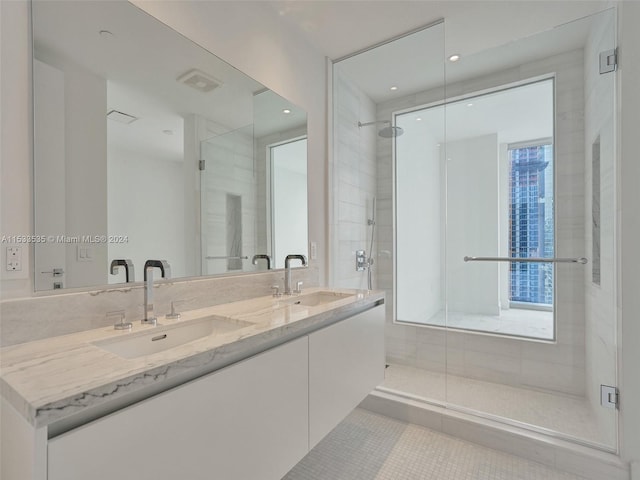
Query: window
531	226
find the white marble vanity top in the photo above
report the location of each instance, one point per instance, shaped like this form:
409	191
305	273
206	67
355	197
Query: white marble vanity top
51	379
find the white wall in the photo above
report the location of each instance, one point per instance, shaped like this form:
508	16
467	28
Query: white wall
419	249
289	198
84	160
49	147
629	199
150	214
472	226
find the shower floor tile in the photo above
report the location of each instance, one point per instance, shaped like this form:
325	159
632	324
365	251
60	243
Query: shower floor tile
566	414
368	446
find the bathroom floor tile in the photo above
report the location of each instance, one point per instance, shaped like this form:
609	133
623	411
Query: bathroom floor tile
368	446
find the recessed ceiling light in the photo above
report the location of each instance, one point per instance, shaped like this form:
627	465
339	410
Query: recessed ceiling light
286	111
393	89
167	132
105	34
455	57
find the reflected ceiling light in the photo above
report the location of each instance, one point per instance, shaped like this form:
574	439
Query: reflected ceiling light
455	57
286	111
393	89
121	117
469	104
199	80
418	119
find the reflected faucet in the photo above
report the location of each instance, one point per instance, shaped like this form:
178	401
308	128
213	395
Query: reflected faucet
287	270
129	272
255	258
165	272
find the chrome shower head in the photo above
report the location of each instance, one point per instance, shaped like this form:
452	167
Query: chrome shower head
389	131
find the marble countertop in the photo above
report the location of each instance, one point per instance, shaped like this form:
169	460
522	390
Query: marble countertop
51	379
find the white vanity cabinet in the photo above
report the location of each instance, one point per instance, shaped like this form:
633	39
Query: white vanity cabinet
246	421
346	362
252	420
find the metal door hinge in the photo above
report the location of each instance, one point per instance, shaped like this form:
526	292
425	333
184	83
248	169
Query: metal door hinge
609	396
608	61
201	164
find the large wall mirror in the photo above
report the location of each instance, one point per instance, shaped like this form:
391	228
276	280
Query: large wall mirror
147	146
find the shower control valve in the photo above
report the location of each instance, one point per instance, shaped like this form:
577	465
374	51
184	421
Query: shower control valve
361	260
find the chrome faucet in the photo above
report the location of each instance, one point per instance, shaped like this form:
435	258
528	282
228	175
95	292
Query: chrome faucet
129	272
255	258
165	272
287	270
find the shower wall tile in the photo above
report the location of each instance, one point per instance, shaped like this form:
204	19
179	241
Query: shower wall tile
553	376
354	179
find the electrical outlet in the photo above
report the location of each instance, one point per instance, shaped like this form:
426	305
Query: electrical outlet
14	259
313	251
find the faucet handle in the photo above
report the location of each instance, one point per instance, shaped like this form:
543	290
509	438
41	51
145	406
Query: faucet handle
121	325
174	315
298	289
276	291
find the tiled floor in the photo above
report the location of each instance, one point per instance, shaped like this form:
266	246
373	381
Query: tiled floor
368	446
561	413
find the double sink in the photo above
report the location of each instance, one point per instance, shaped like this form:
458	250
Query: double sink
158	339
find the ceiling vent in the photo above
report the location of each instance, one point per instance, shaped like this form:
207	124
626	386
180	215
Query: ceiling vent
121	117
199	80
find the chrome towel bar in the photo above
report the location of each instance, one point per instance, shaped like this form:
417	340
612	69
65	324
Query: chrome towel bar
227	258
581	260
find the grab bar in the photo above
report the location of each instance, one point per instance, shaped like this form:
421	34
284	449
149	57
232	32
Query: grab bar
581	260
227	258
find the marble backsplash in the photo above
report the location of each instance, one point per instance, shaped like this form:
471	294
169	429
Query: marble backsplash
27	319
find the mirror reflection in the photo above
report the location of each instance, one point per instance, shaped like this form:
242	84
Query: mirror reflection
148	146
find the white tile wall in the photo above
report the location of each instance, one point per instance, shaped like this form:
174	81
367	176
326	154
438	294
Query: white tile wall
354	180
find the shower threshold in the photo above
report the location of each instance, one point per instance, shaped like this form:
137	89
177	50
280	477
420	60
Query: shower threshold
553	414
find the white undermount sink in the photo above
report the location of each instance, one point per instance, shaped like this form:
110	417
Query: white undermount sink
318	298
163	338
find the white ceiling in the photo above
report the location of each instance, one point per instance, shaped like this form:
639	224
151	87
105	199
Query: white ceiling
516	115
141	62
417	62
342	27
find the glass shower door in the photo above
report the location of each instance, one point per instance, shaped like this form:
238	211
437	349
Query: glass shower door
228	200
529	161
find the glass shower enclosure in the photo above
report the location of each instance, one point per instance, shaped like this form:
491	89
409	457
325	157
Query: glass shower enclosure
496	208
